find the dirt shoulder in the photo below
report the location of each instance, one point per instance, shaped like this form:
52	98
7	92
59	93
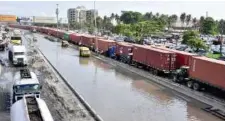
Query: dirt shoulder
62	103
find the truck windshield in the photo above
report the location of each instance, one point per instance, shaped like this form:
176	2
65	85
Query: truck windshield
27	88
15	38
18	53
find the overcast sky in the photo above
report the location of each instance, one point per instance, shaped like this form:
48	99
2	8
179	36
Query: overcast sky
41	8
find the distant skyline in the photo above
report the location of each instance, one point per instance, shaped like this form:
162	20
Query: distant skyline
42	8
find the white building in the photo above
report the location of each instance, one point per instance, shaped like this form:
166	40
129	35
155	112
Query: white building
77	14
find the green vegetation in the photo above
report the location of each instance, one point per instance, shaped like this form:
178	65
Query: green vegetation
211	55
192	39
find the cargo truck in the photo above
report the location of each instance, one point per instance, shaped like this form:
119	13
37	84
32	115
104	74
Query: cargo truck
155	60
17	55
124	52
30	109
202	72
25	83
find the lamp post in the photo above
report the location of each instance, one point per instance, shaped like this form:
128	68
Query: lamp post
95	26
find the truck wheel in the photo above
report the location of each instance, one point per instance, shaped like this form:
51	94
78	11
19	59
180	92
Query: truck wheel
174	78
155	72
190	84
196	86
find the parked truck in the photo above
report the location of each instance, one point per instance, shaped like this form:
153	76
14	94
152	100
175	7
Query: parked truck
17	55
202	72
30	109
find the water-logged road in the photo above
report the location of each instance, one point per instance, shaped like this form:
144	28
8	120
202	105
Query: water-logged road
117	94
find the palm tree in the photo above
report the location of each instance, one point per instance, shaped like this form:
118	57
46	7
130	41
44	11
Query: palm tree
182	18
188	19
112	16
194	21
117	17
157	15
172	19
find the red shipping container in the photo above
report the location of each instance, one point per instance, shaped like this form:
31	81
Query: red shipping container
139	54
103	45
123	48
161	59
75	38
182	58
207	70
87	41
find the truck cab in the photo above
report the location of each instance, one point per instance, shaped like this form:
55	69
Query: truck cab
25	83
17	55
181	74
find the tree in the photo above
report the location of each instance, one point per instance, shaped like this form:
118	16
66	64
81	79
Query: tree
188	19
112	16
117	17
148	16
188	35
194	21
130	17
171	20
182	18
221	26
99	22
157	15
209	26
197	43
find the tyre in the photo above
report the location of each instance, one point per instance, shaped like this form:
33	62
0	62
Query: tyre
174	78
190	84
196	86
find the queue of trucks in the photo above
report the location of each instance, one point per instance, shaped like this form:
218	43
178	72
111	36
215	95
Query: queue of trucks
26	104
197	72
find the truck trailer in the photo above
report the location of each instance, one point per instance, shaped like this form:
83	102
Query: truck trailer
202	72
30	109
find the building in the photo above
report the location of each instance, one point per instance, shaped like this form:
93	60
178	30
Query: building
90	15
77	14
44	20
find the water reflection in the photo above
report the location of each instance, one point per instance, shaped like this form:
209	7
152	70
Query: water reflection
84	61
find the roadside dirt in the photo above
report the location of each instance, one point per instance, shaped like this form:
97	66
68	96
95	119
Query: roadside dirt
62	103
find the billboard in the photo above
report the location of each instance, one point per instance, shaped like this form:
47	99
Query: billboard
8	18
48	20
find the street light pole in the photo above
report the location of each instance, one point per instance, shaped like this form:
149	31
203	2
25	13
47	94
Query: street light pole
96	42
57	15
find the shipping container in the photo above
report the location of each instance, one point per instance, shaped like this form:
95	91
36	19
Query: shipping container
123	48
75	38
161	60
182	58
66	36
87	41
137	57
207	70
103	45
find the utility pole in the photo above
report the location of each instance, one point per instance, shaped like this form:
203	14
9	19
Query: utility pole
96	42
57	17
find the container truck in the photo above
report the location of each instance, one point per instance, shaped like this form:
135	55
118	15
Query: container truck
155	60
30	109
87	41
124	52
102	45
75	38
25	83
202	72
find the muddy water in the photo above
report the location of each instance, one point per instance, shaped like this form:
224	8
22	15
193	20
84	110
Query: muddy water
116	94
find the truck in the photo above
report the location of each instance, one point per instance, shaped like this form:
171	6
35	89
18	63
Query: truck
25	83
17	55
3	42
124	52
202	72
30	108
155	60
16	38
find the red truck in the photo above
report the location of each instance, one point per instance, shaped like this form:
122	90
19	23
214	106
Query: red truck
155	59
202	72
75	38
103	45
124	52
87	41
182	58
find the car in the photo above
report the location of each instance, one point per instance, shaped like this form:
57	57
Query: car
129	39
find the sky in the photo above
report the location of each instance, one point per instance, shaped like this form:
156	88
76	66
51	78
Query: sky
216	9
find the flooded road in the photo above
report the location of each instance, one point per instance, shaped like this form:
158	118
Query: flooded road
117	94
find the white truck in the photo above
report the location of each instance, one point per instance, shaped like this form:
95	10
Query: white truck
17	55
25	83
30	109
